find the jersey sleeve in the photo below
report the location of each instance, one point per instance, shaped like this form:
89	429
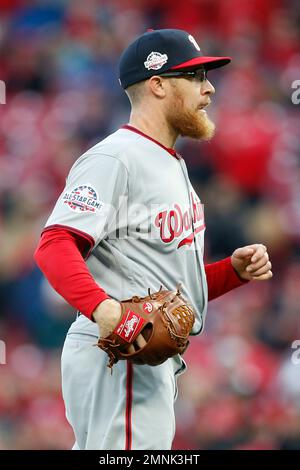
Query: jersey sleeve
96	188
221	278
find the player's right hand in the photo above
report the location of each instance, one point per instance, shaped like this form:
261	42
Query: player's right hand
107	315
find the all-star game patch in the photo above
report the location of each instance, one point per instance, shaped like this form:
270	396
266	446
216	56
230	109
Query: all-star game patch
83	199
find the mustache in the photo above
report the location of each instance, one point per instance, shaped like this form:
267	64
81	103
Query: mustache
204	105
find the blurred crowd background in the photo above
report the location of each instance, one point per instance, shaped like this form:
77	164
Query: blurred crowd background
58	59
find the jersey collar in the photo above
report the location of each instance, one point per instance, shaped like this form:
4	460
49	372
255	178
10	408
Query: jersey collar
169	150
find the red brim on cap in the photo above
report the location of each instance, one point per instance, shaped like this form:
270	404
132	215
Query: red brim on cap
209	62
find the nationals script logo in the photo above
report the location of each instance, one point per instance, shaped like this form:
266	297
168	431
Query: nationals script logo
183	225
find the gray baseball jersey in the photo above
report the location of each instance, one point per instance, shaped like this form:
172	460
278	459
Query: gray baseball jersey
133	198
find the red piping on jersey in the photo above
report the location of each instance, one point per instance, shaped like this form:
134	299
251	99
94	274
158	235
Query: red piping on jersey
86	236
169	150
128	414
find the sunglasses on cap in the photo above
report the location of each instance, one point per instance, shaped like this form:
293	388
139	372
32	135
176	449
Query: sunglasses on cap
199	74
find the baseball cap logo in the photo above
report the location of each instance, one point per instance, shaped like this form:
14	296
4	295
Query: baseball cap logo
194	42
155	61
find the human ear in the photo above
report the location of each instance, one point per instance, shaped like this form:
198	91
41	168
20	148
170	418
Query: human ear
157	86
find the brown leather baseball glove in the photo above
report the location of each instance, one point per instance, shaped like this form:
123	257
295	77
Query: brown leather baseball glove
163	318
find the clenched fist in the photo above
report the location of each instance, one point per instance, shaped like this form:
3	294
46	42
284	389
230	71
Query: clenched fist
252	262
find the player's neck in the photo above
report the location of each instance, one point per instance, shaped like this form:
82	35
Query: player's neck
154	127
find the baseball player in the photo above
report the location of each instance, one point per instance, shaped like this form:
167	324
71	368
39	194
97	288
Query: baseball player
127	220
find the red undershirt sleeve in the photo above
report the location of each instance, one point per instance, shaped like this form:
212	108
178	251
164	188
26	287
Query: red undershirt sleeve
221	278
59	256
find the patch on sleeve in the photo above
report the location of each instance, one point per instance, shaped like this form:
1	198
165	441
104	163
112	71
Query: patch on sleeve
83	198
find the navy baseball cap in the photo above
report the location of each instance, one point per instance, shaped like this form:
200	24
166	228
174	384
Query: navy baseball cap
162	50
